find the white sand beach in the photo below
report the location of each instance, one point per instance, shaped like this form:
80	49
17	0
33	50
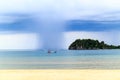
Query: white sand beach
56	74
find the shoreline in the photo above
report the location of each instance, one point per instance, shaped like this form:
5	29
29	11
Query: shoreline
62	74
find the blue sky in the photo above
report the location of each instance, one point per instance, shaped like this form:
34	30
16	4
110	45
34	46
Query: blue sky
91	18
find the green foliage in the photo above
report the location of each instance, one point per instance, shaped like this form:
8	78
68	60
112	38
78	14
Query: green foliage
90	44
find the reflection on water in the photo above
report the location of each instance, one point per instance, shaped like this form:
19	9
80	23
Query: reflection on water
64	59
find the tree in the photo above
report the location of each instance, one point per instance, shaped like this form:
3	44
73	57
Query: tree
90	44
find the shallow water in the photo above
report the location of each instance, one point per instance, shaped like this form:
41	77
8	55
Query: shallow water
63	59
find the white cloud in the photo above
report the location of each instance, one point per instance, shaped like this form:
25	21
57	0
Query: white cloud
69	9
20	41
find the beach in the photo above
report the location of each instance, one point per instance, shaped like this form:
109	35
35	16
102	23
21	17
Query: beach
63	65
60	74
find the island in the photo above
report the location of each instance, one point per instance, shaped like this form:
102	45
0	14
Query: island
90	44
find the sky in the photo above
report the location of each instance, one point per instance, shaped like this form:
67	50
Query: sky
21	20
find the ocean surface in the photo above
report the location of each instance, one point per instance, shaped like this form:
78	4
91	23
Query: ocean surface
62	59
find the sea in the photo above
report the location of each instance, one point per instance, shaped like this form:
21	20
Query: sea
61	59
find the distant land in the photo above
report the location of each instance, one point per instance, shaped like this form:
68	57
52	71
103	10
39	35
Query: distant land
90	44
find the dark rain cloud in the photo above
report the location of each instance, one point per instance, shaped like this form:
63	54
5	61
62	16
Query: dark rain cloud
24	23
92	25
28	23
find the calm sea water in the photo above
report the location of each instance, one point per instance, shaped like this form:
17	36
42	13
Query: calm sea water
64	59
